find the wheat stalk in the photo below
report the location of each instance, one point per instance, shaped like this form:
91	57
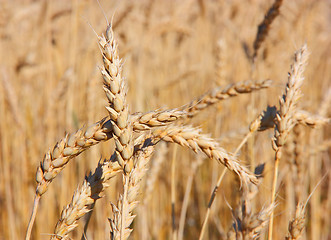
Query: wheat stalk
193	139
284	121
150	181
260	123
218	94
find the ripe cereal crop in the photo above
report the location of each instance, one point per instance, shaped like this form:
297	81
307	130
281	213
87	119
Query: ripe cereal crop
165	119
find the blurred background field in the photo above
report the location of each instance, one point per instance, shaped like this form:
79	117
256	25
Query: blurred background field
173	52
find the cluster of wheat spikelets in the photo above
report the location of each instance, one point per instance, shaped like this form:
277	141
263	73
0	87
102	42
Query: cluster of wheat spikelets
139	147
132	153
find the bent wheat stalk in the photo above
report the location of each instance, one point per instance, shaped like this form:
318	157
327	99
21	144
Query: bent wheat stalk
193	139
218	94
258	123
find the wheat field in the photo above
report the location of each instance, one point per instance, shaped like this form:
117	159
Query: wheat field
156	119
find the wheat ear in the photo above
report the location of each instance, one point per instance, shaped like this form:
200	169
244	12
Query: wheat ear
264	26
296	226
193	139
73	144
249	226
126	204
284	121
218	94
153	173
84	197
115	89
260	123
310	120
66	149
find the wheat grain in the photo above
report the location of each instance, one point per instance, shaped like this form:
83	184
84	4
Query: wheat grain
157	118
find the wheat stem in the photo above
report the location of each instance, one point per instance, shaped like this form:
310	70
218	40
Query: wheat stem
173	195
33	217
285	117
219	181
